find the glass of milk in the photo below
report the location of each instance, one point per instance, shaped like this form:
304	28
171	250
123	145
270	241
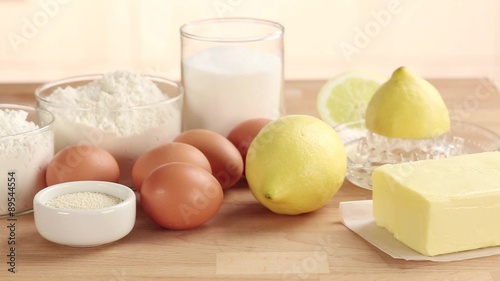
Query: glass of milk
232	70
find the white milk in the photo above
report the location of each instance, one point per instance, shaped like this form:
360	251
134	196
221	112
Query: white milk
226	85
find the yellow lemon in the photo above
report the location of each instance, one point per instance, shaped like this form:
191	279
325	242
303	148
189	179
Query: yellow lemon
344	98
295	164
407	106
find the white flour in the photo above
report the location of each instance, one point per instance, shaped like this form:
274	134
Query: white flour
122	112
14	122
25	155
103	104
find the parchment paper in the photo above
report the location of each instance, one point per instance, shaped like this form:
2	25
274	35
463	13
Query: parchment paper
358	217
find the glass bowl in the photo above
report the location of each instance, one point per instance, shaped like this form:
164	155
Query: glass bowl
366	151
125	131
24	156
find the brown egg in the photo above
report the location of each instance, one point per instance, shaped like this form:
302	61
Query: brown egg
224	157
82	162
180	196
167	153
243	134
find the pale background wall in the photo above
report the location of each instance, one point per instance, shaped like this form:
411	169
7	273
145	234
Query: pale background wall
50	39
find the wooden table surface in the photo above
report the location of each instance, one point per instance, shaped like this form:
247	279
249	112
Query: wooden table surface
245	241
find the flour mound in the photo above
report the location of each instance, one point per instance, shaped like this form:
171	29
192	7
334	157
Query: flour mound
14	122
25	152
121	103
112	91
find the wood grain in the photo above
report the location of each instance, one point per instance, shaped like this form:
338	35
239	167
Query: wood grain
245	241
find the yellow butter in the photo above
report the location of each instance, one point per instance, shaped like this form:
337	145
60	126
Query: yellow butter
440	206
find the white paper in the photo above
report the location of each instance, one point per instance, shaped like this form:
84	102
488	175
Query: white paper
358	217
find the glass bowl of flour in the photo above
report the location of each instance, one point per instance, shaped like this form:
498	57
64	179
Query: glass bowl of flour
123	112
26	148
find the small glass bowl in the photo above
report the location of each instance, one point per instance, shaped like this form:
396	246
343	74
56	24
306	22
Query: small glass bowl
126	132
85	228
366	151
23	159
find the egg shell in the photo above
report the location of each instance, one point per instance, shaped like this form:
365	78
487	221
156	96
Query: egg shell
225	159
82	162
181	196
167	153
242	135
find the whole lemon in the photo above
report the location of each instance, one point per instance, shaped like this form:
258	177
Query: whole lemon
407	106
295	164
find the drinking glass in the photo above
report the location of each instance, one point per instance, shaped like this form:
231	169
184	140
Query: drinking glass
232	70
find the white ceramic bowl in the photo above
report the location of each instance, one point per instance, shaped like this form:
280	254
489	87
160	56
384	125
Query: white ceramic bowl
85	228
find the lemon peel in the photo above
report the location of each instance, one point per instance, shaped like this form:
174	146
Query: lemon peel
407	106
295	164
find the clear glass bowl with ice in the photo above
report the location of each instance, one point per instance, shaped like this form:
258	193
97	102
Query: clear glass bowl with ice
366	150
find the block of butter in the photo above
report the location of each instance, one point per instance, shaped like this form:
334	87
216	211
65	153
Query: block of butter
440	206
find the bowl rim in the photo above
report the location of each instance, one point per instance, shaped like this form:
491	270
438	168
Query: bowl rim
29	108
343	126
82	186
92	77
